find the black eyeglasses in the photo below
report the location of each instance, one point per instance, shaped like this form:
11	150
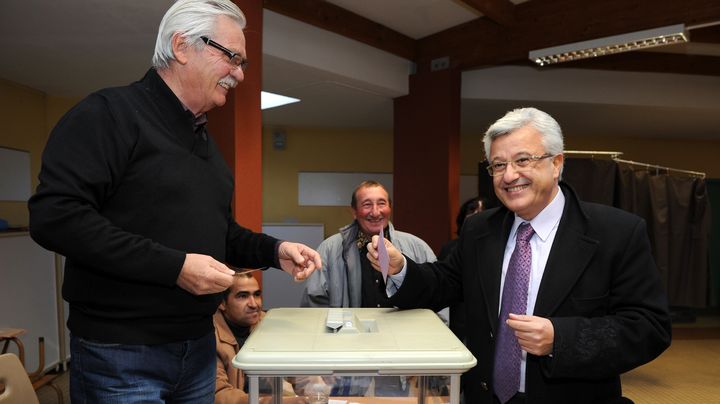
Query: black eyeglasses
235	59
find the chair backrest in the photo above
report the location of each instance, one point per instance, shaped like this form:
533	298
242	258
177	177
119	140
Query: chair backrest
18	389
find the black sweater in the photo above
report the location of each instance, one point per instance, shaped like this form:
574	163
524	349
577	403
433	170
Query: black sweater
123	197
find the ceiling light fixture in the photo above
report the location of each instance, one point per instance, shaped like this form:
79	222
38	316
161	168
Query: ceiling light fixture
272	100
612	44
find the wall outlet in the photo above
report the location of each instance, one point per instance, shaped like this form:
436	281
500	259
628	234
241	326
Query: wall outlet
440	64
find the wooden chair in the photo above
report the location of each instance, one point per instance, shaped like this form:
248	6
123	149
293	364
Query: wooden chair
15	386
8	335
38	378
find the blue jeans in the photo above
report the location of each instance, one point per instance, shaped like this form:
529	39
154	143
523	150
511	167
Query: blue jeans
181	372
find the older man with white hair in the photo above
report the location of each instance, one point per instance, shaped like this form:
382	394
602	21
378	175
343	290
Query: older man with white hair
136	195
562	295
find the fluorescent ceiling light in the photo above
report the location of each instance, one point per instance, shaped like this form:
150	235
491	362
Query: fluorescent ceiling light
612	44
271	100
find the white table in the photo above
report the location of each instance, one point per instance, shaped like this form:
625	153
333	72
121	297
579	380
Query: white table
296	342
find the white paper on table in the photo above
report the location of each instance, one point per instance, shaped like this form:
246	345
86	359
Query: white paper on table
383	256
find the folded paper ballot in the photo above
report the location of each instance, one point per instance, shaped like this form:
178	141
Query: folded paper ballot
383	256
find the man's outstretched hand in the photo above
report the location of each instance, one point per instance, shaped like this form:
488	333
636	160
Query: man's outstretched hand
298	260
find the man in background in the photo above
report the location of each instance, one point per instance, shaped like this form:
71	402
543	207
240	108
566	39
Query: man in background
135	194
468	208
348	280
239	313
457	311
562	296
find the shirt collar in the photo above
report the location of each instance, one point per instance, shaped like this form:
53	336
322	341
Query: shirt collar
363	239
197	120
200	120
546	220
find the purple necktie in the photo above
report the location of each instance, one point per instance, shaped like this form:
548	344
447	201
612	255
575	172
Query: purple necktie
506	373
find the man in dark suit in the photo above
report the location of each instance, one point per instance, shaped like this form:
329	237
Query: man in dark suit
578	303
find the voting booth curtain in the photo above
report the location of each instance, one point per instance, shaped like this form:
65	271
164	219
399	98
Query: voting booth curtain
674	205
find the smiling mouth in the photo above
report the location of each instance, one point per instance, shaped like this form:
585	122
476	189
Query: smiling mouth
517	188
225	85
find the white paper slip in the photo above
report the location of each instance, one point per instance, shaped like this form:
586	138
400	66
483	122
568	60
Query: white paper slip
383	256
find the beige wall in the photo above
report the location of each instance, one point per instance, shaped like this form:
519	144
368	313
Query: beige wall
27	116
318	149
22	112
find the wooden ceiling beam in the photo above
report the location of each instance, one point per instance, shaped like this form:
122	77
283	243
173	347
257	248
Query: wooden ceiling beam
542	24
500	11
509	31
335	19
707	35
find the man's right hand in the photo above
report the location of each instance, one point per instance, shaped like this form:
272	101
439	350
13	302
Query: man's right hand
202	275
397	260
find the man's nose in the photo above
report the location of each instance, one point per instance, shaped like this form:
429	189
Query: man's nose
511	173
238	74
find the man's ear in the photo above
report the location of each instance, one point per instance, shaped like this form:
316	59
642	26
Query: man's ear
558	162
222	306
180	48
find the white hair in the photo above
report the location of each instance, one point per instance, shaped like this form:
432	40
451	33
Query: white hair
192	19
550	132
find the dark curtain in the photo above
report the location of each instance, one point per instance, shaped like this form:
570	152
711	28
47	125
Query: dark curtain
675	207
677	212
593	180
690	224
713	191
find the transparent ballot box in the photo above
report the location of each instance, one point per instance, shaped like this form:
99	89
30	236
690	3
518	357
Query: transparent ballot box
360	355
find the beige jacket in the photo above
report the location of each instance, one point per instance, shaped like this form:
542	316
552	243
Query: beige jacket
229	380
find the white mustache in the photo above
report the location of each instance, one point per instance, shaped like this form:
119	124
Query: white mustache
228	81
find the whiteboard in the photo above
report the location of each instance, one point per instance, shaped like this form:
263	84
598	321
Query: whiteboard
15	184
335	189
28	297
278	288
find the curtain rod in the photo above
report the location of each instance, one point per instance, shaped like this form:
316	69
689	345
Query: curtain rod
614	155
657	167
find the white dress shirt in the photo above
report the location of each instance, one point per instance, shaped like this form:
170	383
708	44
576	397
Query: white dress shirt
545	225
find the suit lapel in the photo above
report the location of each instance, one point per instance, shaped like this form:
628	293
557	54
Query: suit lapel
570	255
489	256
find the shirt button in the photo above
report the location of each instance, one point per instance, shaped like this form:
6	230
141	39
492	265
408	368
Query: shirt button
378	305
377	281
484	386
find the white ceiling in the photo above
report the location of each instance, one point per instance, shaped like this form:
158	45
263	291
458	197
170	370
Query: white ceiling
72	47
414	18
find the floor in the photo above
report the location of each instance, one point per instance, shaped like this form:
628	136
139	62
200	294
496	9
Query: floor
687	372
